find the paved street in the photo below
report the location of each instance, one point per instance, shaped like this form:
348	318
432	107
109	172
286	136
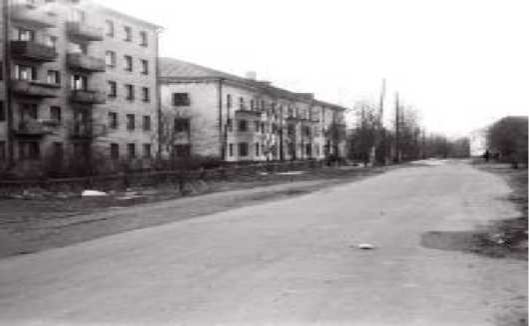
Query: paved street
292	261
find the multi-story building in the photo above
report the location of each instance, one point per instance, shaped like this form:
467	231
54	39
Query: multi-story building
79	80
214	114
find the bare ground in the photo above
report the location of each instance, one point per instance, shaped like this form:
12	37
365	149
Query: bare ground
28	226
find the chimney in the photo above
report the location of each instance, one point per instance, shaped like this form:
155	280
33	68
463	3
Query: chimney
251	75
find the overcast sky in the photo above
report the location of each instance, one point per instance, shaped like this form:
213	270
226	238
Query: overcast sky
462	63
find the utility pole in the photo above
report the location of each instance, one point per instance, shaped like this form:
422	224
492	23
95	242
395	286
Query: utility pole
7	82
397	128
379	136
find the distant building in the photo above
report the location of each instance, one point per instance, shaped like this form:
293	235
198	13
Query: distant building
215	114
77	79
478	142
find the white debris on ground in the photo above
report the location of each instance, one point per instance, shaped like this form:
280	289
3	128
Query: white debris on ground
366	246
93	193
291	173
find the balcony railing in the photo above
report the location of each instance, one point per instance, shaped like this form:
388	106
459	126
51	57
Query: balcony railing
88	97
86	130
33	128
29	14
84	62
33	51
34	88
85	32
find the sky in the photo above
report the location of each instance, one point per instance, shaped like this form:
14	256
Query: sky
461	63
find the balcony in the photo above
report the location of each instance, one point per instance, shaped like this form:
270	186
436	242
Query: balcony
248	113
29	88
28	14
87	131
88	97
33	51
84	62
84	32
33	128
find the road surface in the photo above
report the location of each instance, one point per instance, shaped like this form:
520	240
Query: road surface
289	262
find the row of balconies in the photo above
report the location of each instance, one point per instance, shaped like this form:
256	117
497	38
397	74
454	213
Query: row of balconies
40	128
39	52
39	89
29	14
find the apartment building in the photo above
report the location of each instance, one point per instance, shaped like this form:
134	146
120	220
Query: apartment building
78	80
214	114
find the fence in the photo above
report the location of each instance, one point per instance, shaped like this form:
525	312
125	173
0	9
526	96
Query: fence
153	178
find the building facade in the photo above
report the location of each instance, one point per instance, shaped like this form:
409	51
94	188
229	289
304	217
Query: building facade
214	114
79	82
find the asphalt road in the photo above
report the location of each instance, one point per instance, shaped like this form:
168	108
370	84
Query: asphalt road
293	261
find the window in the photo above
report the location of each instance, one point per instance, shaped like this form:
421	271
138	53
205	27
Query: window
77	16
2	112
308	150
229	123
181	99
112	88
131	122
230	149
252	105
2	151
144	38
79	82
242	125
55	113
131	149
262	127
243	149
146	123
228	101
182	151
53	77
241	103
144	67
25	35
58	151
145	94
110	59
113	120
291	130
29	111
25	72
130	92
256	126
109	26
81	150
128	33
29	150
147	150
128	63
181	125
51	41
257	149
114	151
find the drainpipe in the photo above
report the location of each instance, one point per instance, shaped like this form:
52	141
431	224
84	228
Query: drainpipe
7	83
222	136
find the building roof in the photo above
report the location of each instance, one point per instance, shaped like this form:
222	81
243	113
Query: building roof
179	70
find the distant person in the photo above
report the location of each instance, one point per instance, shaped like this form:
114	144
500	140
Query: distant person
486	156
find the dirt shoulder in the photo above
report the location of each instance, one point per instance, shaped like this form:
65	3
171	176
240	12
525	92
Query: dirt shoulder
28	226
502	238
